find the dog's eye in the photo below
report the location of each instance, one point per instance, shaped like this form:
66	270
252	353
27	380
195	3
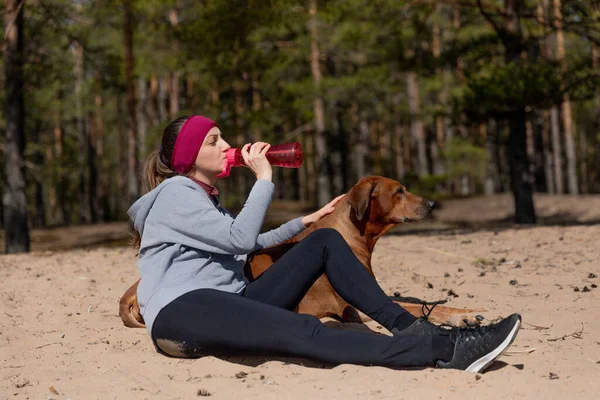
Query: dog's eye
400	191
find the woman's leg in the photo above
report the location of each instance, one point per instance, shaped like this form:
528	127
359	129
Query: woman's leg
286	282
208	321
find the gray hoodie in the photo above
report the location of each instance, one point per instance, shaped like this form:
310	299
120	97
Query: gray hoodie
188	243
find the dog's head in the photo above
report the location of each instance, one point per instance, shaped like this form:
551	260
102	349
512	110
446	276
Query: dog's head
386	201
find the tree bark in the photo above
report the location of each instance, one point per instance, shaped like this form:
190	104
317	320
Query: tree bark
542	12
321	149
142	117
92	168
398	152
161	99
416	124
489	183
520	173
81	133
175	75
37	158
104	210
192	96
153	104
460	74
596	182
572	180
118	198
14	201
438	143
361	150
548	172
556	150
63	216
133	183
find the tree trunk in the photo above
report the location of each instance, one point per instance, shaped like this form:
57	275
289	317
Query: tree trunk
520	173
361	150
373	146
385	143
81	134
153	104
321	151
550	187
438	143
50	167
142	117
14	201
92	169
397	146
104	210
162	99
242	178
174	95
556	150
566	107
339	150
489	182
416	124
37	158
460	74
118	196
133	185
63	216
337	144
583	167
190	90
542	12
175	75
596	181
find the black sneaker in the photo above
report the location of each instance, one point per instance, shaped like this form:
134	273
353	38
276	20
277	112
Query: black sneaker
476	348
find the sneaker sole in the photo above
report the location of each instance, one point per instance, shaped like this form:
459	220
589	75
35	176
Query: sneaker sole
489	358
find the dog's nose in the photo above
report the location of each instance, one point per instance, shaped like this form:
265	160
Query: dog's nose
431	204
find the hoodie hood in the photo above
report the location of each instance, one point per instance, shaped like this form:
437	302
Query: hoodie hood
139	210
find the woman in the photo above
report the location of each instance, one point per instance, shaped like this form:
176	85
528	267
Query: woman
196	301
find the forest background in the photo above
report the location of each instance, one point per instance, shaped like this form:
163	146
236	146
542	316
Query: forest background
452	98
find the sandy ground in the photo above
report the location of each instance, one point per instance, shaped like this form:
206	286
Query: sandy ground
61	337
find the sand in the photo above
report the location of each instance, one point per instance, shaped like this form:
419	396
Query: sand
61	336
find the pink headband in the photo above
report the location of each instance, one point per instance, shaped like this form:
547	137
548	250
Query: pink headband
188	143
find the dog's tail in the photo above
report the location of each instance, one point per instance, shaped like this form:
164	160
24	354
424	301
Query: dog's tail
129	309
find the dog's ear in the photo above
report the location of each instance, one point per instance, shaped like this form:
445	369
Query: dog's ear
360	197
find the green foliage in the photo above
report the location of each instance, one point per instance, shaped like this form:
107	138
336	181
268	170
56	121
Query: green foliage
366	49
464	159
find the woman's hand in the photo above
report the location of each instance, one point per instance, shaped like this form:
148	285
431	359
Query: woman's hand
256	160
325	210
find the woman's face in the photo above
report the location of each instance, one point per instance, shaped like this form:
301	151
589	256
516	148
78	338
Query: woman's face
211	157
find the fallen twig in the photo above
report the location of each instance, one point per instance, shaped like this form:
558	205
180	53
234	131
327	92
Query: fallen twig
575	335
525	351
48	344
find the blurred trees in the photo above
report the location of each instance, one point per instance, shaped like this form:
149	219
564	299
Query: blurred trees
449	97
13	176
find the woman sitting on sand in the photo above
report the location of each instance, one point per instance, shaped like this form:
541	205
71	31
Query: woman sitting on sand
196	301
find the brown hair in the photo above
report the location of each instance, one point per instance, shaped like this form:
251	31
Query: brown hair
157	166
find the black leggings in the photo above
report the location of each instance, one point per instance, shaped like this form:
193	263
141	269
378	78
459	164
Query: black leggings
208	321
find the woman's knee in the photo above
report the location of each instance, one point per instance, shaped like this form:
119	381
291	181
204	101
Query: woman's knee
325	235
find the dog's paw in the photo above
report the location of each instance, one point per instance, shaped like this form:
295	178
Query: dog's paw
456	316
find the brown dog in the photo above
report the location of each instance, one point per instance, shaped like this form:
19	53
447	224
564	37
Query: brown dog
371	208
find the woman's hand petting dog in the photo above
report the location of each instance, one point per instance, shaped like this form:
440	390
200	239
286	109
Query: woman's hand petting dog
325	210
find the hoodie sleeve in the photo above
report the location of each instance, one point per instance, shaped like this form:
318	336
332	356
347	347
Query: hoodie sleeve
189	217
281	234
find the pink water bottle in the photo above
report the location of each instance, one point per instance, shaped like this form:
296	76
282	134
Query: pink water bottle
287	155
